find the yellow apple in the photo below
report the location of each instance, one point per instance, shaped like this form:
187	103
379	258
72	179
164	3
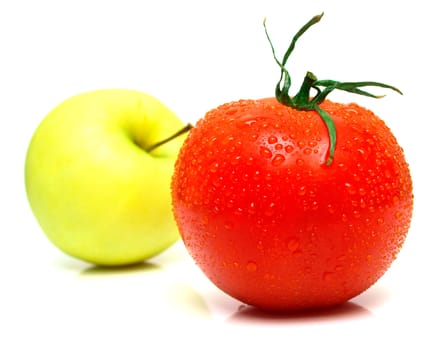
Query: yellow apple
95	184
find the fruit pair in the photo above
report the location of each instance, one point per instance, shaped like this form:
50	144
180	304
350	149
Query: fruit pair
285	203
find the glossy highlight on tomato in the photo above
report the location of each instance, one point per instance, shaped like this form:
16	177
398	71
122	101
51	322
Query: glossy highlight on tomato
273	225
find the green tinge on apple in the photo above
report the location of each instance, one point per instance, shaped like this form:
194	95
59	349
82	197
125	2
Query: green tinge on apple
94	189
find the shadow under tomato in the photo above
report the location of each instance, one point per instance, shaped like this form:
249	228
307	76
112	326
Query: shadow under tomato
347	311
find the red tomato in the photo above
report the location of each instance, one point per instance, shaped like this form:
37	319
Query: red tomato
271	221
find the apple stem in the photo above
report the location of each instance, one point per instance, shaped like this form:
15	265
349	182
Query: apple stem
183	130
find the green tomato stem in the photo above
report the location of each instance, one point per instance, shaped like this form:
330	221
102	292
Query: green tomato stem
303	100
182	131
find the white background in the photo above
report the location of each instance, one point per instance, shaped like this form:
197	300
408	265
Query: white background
195	55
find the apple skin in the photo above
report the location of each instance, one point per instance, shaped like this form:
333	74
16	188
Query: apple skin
95	191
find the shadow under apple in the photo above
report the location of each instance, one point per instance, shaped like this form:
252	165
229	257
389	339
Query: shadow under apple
96	270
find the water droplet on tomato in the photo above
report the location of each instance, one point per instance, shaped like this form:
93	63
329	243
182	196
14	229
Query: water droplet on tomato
228	139
252	208
301	191
250	122
293	244
228	225
268	176
214	167
330	209
251	266
289	149
341	166
265	152
250	161
361	151
270	209
235	160
213	139
256	175
278	160
300	162
238	211
278	147
272	139
350	188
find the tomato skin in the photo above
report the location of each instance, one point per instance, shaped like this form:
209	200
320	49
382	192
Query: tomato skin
270	223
